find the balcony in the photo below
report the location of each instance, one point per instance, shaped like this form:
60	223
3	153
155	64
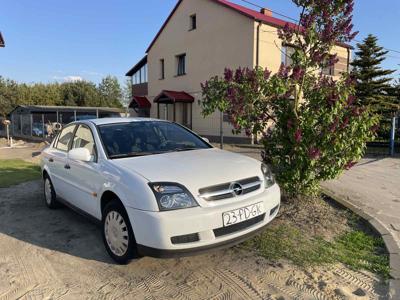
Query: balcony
140	89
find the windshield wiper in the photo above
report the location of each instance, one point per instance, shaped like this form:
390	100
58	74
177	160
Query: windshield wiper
133	154
185	149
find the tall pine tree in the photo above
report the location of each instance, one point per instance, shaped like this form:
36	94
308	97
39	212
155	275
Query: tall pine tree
373	87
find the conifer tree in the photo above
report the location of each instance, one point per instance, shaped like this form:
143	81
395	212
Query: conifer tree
373	87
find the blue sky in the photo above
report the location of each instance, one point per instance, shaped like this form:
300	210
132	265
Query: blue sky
49	40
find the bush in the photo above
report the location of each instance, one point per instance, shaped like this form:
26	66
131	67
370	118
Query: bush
311	127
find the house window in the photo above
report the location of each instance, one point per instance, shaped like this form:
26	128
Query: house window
193	22
140	76
287	52
329	71
162	69
181	63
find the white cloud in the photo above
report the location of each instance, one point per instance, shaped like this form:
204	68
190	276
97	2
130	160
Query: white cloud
70	78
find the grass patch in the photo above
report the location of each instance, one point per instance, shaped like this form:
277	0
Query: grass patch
356	249
15	171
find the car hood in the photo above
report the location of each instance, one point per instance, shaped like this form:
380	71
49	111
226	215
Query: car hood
194	169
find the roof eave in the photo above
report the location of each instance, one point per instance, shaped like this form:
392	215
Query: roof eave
164	25
236	10
137	67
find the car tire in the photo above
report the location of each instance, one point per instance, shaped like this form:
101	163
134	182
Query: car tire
50	197
118	236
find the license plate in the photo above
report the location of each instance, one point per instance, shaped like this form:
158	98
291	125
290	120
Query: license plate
242	214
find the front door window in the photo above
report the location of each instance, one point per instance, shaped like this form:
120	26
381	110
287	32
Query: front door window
65	138
84	139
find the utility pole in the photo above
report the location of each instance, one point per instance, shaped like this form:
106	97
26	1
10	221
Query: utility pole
392	136
7	123
221	130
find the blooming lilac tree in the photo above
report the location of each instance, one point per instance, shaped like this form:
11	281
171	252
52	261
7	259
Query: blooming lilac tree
310	126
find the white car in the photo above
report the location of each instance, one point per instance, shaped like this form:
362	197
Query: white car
158	189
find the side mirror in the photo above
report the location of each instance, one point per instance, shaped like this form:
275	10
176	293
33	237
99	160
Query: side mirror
81	154
206	140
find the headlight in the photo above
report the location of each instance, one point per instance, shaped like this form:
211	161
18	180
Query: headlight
268	176
171	196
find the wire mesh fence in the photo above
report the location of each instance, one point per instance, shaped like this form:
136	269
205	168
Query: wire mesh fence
382	144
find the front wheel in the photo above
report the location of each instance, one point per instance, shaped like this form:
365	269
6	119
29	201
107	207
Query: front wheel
50	194
118	234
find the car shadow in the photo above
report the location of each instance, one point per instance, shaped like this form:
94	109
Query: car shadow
24	216
36	153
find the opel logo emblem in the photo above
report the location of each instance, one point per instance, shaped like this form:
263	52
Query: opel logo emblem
237	189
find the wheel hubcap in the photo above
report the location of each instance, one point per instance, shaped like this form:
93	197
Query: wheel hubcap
116	233
48	191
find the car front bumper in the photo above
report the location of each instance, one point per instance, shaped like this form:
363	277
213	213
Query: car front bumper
154	230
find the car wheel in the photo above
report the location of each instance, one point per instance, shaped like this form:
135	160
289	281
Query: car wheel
50	196
118	236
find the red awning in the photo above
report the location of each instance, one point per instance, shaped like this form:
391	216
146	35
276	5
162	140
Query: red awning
174	97
140	102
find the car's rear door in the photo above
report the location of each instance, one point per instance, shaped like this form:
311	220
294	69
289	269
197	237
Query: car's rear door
57	161
84	178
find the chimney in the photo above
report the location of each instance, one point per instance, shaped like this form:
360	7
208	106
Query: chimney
267	12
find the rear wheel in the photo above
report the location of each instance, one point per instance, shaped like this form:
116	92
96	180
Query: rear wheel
50	196
118	235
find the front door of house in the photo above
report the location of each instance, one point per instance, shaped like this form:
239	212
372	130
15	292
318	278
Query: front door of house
179	112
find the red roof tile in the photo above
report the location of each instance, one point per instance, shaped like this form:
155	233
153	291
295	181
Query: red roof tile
173	96
255	14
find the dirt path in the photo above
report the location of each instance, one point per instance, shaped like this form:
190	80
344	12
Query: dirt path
60	255
22	150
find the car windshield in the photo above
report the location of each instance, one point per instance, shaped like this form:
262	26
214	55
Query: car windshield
123	140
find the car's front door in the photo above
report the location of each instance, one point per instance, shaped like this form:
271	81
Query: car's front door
84	178
57	161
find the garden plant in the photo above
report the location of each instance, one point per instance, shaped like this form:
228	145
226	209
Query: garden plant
310	125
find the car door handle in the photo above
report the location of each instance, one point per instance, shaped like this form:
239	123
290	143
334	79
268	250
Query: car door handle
51	160
67	167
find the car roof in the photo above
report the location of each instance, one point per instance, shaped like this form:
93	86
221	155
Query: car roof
105	121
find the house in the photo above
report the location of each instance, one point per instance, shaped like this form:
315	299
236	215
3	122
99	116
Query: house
2	43
199	39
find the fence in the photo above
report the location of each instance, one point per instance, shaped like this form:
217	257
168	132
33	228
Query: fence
388	139
31	122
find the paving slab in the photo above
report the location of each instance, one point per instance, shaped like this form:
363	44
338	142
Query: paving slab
372	190
394	287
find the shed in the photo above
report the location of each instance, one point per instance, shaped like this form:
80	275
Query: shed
31	120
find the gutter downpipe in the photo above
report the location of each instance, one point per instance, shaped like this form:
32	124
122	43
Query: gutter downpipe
258	45
257	62
348	60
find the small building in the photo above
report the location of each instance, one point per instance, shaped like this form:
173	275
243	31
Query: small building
198	40
30	121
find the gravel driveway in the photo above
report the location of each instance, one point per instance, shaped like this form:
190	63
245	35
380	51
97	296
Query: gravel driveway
58	254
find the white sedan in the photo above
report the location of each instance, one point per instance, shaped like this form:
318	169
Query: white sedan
157	188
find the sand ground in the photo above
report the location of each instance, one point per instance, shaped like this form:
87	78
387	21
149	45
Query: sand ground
60	255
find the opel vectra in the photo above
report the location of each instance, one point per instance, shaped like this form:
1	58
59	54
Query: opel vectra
157	188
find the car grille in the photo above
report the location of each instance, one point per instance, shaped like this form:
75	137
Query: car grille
227	190
238	227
